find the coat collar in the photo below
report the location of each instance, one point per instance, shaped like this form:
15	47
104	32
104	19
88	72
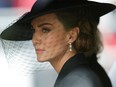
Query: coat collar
72	63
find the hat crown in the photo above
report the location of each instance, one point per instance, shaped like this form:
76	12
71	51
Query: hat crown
54	4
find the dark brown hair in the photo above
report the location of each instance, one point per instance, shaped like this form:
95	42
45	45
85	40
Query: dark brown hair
88	41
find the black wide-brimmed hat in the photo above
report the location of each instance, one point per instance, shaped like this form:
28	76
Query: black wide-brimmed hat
21	30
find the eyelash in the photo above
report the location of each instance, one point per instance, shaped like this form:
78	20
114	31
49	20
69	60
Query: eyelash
45	30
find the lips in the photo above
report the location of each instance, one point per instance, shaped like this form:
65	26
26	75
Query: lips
39	51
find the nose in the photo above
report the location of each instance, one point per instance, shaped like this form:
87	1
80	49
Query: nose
36	39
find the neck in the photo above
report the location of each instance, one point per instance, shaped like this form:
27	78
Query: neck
58	62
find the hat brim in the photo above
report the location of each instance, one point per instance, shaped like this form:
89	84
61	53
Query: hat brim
21	30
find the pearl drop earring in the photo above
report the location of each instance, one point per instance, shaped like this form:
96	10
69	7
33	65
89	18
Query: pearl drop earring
70	47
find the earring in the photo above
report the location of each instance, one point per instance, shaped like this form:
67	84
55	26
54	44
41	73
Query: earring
70	47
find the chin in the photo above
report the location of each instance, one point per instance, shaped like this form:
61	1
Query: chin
41	59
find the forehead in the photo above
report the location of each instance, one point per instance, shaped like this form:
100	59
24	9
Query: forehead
45	18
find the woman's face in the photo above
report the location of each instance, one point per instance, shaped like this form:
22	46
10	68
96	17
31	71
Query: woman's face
50	38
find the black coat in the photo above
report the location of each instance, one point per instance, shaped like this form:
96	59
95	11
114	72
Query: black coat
78	71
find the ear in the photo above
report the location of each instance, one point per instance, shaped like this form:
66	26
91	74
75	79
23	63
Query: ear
73	35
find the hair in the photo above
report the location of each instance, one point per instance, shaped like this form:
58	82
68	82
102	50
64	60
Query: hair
88	40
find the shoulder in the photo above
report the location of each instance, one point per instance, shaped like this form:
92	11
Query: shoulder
83	77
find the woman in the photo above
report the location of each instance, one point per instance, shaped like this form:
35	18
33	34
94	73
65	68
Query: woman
64	32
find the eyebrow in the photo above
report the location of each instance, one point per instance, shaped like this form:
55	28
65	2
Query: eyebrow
44	24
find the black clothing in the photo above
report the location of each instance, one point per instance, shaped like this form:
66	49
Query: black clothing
78	71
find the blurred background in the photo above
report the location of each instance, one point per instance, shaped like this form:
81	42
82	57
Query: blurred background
11	10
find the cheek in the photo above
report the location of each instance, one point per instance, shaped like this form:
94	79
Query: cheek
56	42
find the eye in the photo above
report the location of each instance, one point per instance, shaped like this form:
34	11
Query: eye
45	30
